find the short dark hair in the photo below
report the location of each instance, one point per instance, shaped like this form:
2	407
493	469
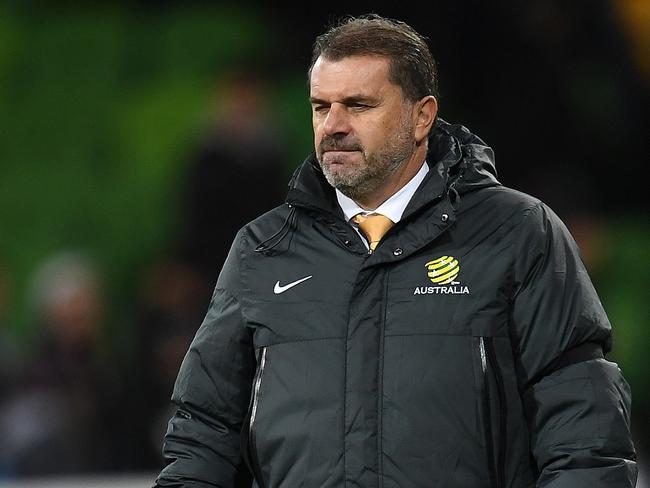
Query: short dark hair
412	66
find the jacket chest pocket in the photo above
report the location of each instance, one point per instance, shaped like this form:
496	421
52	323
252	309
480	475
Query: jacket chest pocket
453	311
425	313
443	294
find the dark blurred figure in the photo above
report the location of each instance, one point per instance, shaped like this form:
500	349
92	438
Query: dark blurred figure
10	352
10	366
171	302
236	170
62	418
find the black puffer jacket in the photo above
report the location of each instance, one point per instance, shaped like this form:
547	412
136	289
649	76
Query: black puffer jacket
466	351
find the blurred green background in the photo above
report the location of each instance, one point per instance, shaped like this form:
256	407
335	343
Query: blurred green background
102	104
100	108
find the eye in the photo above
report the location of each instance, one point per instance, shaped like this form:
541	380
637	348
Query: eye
320	108
359	106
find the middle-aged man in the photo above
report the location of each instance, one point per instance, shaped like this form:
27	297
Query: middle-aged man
463	348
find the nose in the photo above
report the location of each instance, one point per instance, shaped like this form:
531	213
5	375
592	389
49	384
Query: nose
337	120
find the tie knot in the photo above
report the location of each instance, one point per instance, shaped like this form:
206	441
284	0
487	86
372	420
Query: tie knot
373	226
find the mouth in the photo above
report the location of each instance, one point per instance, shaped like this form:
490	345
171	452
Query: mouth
337	156
339	151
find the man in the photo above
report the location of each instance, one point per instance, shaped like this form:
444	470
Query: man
464	348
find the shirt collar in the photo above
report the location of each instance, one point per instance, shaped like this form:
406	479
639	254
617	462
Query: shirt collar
394	207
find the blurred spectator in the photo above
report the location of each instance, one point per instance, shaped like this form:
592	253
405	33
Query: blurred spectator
236	170
171	303
62	416
9	363
9	348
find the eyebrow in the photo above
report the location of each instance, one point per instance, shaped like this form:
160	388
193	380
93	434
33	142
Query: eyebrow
347	100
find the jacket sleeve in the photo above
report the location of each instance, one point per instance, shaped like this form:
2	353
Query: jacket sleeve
577	403
201	447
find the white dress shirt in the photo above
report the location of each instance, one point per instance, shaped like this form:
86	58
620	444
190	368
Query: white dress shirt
393	208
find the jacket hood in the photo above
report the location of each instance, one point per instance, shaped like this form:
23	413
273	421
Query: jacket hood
461	157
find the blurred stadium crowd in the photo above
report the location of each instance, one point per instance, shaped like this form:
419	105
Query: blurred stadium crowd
135	141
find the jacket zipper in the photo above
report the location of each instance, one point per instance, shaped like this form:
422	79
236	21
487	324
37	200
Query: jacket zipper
489	367
380	388
503	438
257	472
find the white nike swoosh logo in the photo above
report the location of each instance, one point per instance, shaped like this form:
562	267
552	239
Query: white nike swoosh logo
277	289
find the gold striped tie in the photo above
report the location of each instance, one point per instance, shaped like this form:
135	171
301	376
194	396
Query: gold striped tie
373	226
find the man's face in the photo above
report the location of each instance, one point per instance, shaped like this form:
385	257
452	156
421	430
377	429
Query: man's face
363	127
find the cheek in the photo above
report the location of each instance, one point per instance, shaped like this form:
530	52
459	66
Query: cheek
376	134
316	128
318	137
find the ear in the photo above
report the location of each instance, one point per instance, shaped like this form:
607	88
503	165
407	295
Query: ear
424	113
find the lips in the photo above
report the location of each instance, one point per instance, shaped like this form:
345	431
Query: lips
339	151
336	156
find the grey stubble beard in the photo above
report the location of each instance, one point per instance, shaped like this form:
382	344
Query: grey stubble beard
378	167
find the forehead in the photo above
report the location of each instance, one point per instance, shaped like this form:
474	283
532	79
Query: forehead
350	75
